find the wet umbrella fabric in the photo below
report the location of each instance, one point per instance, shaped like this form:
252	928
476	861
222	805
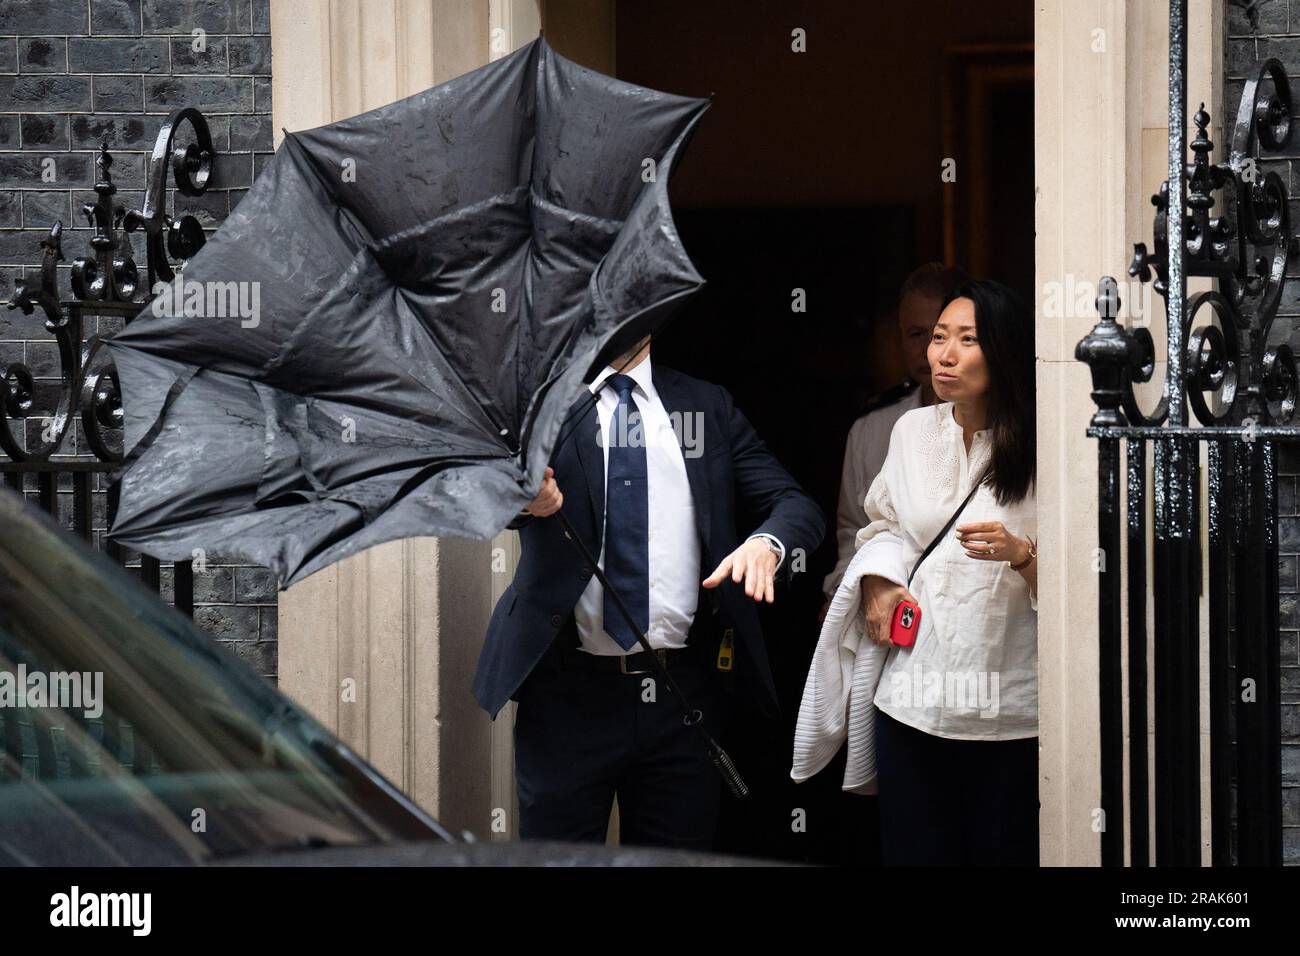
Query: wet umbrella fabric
433	279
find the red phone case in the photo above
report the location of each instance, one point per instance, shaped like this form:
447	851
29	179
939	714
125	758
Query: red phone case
907	621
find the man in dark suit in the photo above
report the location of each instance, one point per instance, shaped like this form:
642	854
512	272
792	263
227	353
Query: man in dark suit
657	471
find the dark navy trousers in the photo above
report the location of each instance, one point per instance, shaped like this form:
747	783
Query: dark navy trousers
946	802
584	736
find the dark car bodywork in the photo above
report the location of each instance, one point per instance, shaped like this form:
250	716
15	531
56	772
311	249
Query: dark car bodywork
187	756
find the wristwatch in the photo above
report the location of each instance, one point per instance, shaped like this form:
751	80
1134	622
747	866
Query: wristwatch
1033	553
771	544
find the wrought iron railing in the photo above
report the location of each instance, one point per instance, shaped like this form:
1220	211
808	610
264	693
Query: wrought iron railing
105	283
1252	386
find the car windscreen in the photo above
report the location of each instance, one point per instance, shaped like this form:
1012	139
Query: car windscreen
127	737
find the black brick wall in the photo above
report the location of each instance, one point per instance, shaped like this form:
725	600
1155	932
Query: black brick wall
1276	32
76	73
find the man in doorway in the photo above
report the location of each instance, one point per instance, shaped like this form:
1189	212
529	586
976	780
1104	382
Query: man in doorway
652	479
921	298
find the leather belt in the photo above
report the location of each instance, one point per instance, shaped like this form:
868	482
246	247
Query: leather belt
567	652
638	663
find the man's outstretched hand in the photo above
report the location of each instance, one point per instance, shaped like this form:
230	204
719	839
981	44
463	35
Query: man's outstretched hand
755	564
548	500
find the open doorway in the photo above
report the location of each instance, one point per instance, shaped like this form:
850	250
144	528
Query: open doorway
813	185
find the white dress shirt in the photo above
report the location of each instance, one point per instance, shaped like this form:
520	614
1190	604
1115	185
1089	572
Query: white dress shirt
972	673
864	453
674	544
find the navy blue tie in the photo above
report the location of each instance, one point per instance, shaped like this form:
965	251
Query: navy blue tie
627	518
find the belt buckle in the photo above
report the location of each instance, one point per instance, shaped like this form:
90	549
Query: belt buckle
658	651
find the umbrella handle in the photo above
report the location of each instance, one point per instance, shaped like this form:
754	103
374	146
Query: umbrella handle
692	717
730	775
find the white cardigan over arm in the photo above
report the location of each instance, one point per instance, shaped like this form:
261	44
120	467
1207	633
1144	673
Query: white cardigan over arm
846	667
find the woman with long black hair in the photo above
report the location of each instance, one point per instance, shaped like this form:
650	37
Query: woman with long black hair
954	684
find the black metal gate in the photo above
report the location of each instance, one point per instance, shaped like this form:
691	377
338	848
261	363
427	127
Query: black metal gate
1251	386
106	293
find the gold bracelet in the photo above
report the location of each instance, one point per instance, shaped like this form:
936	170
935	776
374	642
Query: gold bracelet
1033	553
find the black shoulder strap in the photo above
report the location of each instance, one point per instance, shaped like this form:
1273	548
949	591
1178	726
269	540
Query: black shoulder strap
946	528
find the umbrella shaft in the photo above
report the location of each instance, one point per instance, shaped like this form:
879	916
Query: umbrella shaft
717	755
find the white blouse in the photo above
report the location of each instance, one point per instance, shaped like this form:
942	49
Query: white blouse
972	673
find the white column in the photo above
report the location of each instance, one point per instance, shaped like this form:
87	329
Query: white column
1100	148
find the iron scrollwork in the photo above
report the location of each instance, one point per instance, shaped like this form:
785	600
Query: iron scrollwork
1246	251
1242	390
191	166
106	283
105	278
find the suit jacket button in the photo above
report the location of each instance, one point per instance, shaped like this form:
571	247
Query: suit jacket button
585	573
556	620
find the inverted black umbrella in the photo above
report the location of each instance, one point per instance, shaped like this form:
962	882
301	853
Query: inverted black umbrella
432	281
385	336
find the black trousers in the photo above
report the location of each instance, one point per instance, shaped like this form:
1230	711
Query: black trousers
583	736
946	802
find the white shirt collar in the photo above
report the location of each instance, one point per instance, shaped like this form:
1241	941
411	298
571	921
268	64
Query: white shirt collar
947	412
640	373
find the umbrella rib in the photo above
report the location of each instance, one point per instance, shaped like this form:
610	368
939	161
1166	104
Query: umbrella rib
304	158
604	224
156	426
500	430
377	248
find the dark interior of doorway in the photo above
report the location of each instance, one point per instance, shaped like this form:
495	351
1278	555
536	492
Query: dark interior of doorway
820	172
801	377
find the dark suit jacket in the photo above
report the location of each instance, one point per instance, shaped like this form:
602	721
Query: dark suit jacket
734	466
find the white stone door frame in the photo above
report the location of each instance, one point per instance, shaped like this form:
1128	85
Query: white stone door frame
1101	97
